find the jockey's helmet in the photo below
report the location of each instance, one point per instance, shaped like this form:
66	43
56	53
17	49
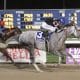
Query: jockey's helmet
49	21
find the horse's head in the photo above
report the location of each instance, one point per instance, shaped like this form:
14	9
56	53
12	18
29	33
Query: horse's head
17	30
71	30
11	32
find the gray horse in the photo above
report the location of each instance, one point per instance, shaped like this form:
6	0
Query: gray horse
56	43
28	39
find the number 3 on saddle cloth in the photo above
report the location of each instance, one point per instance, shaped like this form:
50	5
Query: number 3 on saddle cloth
41	36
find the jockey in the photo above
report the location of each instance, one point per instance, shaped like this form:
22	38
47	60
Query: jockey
48	25
59	23
2	28
52	25
2	23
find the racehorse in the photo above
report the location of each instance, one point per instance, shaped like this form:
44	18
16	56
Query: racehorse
35	39
3	45
56	43
28	44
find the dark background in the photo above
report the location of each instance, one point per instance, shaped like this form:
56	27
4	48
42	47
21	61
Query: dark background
40	4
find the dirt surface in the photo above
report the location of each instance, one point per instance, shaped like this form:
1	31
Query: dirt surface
10	72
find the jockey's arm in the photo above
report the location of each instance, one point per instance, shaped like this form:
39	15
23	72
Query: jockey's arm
48	27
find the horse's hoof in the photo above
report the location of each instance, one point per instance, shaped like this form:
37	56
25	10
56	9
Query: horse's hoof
40	71
57	65
18	66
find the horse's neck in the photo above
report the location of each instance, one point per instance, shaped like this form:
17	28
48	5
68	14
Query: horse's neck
61	35
10	34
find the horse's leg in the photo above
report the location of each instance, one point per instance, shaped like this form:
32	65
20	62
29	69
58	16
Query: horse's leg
68	54
4	51
32	57
59	59
75	62
43	47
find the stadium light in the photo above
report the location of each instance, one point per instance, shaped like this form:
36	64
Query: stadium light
4	4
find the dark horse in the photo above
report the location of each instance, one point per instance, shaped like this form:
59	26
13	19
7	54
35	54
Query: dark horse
8	33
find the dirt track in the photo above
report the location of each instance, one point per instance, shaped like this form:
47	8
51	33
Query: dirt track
9	72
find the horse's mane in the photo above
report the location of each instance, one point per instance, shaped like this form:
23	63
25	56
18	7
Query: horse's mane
69	24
